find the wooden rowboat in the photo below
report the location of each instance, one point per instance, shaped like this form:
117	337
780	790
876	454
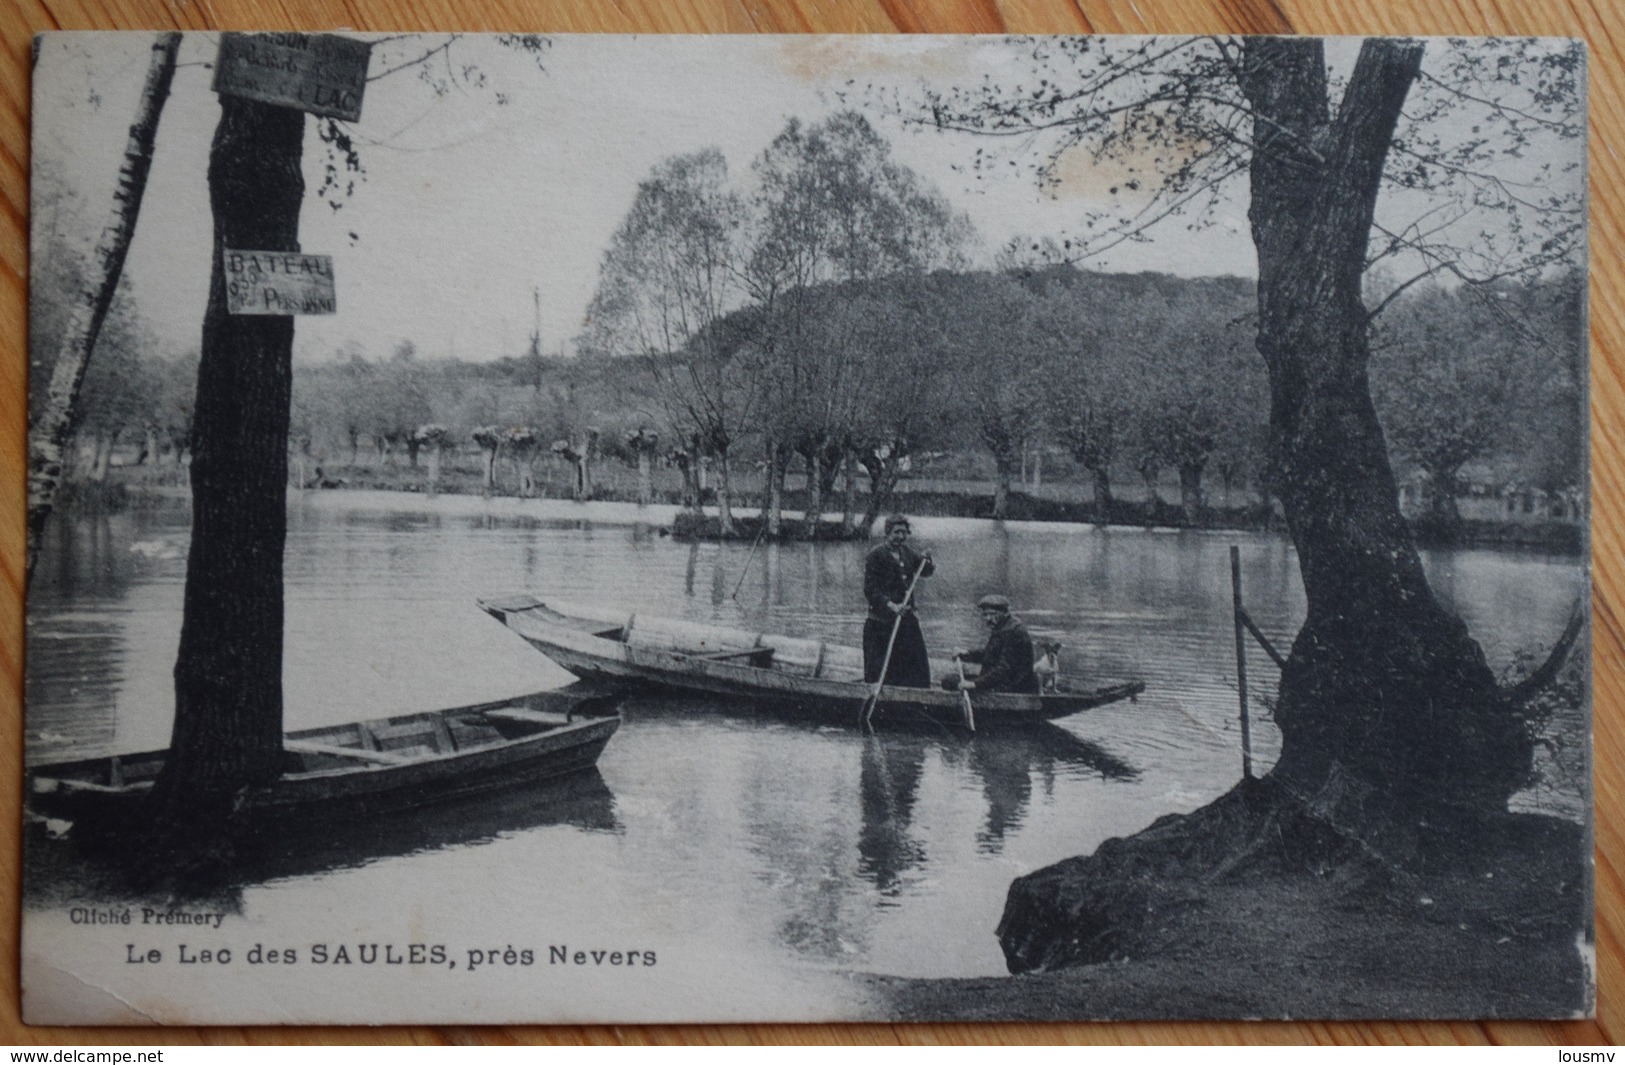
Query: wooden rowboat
785	672
363	767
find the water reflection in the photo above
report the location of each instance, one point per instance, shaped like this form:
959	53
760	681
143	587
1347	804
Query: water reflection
1007	764
60	680
87	555
1002	764
583	801
792	842
57	870
889	783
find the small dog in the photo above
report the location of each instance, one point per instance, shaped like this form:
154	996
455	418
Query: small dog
1048	665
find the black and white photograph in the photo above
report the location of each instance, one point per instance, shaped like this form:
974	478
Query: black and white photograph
594	529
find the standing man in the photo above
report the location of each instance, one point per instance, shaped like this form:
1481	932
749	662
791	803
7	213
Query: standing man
1007	660
887	574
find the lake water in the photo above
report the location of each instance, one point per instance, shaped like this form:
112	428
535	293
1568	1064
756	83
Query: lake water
793	851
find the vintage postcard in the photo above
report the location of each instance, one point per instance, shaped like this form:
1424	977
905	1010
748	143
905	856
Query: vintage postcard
616	529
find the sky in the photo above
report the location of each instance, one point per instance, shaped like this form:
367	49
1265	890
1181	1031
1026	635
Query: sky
471	207
511	183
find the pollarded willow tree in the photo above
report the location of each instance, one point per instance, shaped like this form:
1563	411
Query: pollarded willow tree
1444	159
671	273
913	404
1460	380
834	207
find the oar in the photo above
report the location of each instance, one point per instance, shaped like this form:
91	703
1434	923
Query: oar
753	545
885	664
970	713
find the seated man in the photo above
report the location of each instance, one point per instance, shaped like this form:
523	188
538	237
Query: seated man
1007	660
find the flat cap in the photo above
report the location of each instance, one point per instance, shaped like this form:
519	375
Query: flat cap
897	519
993	602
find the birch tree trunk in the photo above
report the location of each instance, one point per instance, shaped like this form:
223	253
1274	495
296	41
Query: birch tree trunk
51	427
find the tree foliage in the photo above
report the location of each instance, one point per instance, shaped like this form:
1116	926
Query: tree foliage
749	313
1468	140
1487	376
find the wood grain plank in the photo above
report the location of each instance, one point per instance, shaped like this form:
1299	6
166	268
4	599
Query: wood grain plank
20	19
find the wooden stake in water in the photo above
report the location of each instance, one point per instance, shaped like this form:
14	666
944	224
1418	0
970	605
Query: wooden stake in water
1241	661
754	544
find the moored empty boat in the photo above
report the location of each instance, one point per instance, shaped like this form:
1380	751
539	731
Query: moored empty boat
784	672
372	766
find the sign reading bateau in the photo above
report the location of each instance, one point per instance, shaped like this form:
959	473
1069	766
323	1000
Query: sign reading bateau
317	73
279	282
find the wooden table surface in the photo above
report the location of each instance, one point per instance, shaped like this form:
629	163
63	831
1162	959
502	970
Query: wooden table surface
1576	18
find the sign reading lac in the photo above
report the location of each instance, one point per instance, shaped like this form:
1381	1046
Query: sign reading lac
320	74
317	73
278	282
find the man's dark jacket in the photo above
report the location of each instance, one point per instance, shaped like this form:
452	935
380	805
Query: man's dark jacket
1007	660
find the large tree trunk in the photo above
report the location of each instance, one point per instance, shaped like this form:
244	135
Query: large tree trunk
850	504
1190	490
775	487
646	483
1001	488
1102	480
1150	471
1442	511
228	676
815	493
691	488
884	473
725	513
102	455
1385	701
52	425
589	445
879	491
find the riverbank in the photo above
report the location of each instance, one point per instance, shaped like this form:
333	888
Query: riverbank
1549	537
126	484
1506	934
